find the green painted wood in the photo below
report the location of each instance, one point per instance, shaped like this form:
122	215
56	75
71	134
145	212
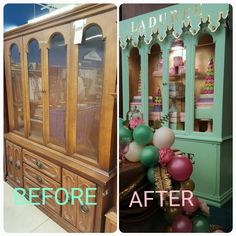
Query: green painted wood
187	39
143	51
219	39
212	168
165	47
171	17
213	151
125	81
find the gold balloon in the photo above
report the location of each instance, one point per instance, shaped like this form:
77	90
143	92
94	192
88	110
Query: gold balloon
168	229
172	212
188	185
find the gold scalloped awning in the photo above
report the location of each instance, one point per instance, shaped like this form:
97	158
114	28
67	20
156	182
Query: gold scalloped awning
173	18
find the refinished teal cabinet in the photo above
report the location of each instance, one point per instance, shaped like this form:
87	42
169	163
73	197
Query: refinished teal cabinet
177	61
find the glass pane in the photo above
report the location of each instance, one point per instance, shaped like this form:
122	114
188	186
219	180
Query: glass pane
57	89
204	84
90	84
35	89
177	59
155	84
134	79
17	88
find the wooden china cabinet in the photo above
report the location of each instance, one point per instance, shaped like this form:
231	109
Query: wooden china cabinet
61	95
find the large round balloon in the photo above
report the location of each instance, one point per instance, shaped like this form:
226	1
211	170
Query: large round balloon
125	135
133	152
200	224
151	175
149	156
142	134
182	224
180	168
163	137
121	122
188	208
188	185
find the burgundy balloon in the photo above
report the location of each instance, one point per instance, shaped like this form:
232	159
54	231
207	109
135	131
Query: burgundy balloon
182	224
180	168
187	207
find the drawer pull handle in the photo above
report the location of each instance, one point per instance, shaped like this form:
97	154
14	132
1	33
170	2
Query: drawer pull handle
84	209
10	160
18	164
39	179
38	164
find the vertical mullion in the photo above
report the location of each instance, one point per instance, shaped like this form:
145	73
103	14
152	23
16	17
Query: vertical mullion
125	81
219	66
144	82
165	81
45	87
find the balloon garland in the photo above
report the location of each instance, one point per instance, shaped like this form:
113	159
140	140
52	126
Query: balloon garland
166	171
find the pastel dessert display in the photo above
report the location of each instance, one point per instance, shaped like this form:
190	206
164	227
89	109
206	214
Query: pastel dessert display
176	89
156	113
205	99
137	99
158	70
158	101
204	103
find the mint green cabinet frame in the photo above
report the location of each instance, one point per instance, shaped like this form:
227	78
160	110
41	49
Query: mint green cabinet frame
217	158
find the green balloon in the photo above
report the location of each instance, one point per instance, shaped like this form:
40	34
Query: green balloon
121	122
149	156
125	135
143	134
151	175
200	224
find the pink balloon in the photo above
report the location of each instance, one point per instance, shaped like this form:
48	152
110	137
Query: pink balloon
187	207
180	168
182	224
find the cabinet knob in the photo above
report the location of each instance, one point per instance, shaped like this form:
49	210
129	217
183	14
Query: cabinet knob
84	209
38	164
39	179
18	164
10	159
164	84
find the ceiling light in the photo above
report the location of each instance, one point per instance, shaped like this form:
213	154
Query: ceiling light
53	13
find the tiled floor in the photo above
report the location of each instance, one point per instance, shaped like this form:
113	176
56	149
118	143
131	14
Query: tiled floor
27	218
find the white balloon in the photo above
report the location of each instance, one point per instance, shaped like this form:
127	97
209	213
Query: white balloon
133	152
163	137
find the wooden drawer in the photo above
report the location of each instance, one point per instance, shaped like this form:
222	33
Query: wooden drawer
46	167
49	203
41	179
